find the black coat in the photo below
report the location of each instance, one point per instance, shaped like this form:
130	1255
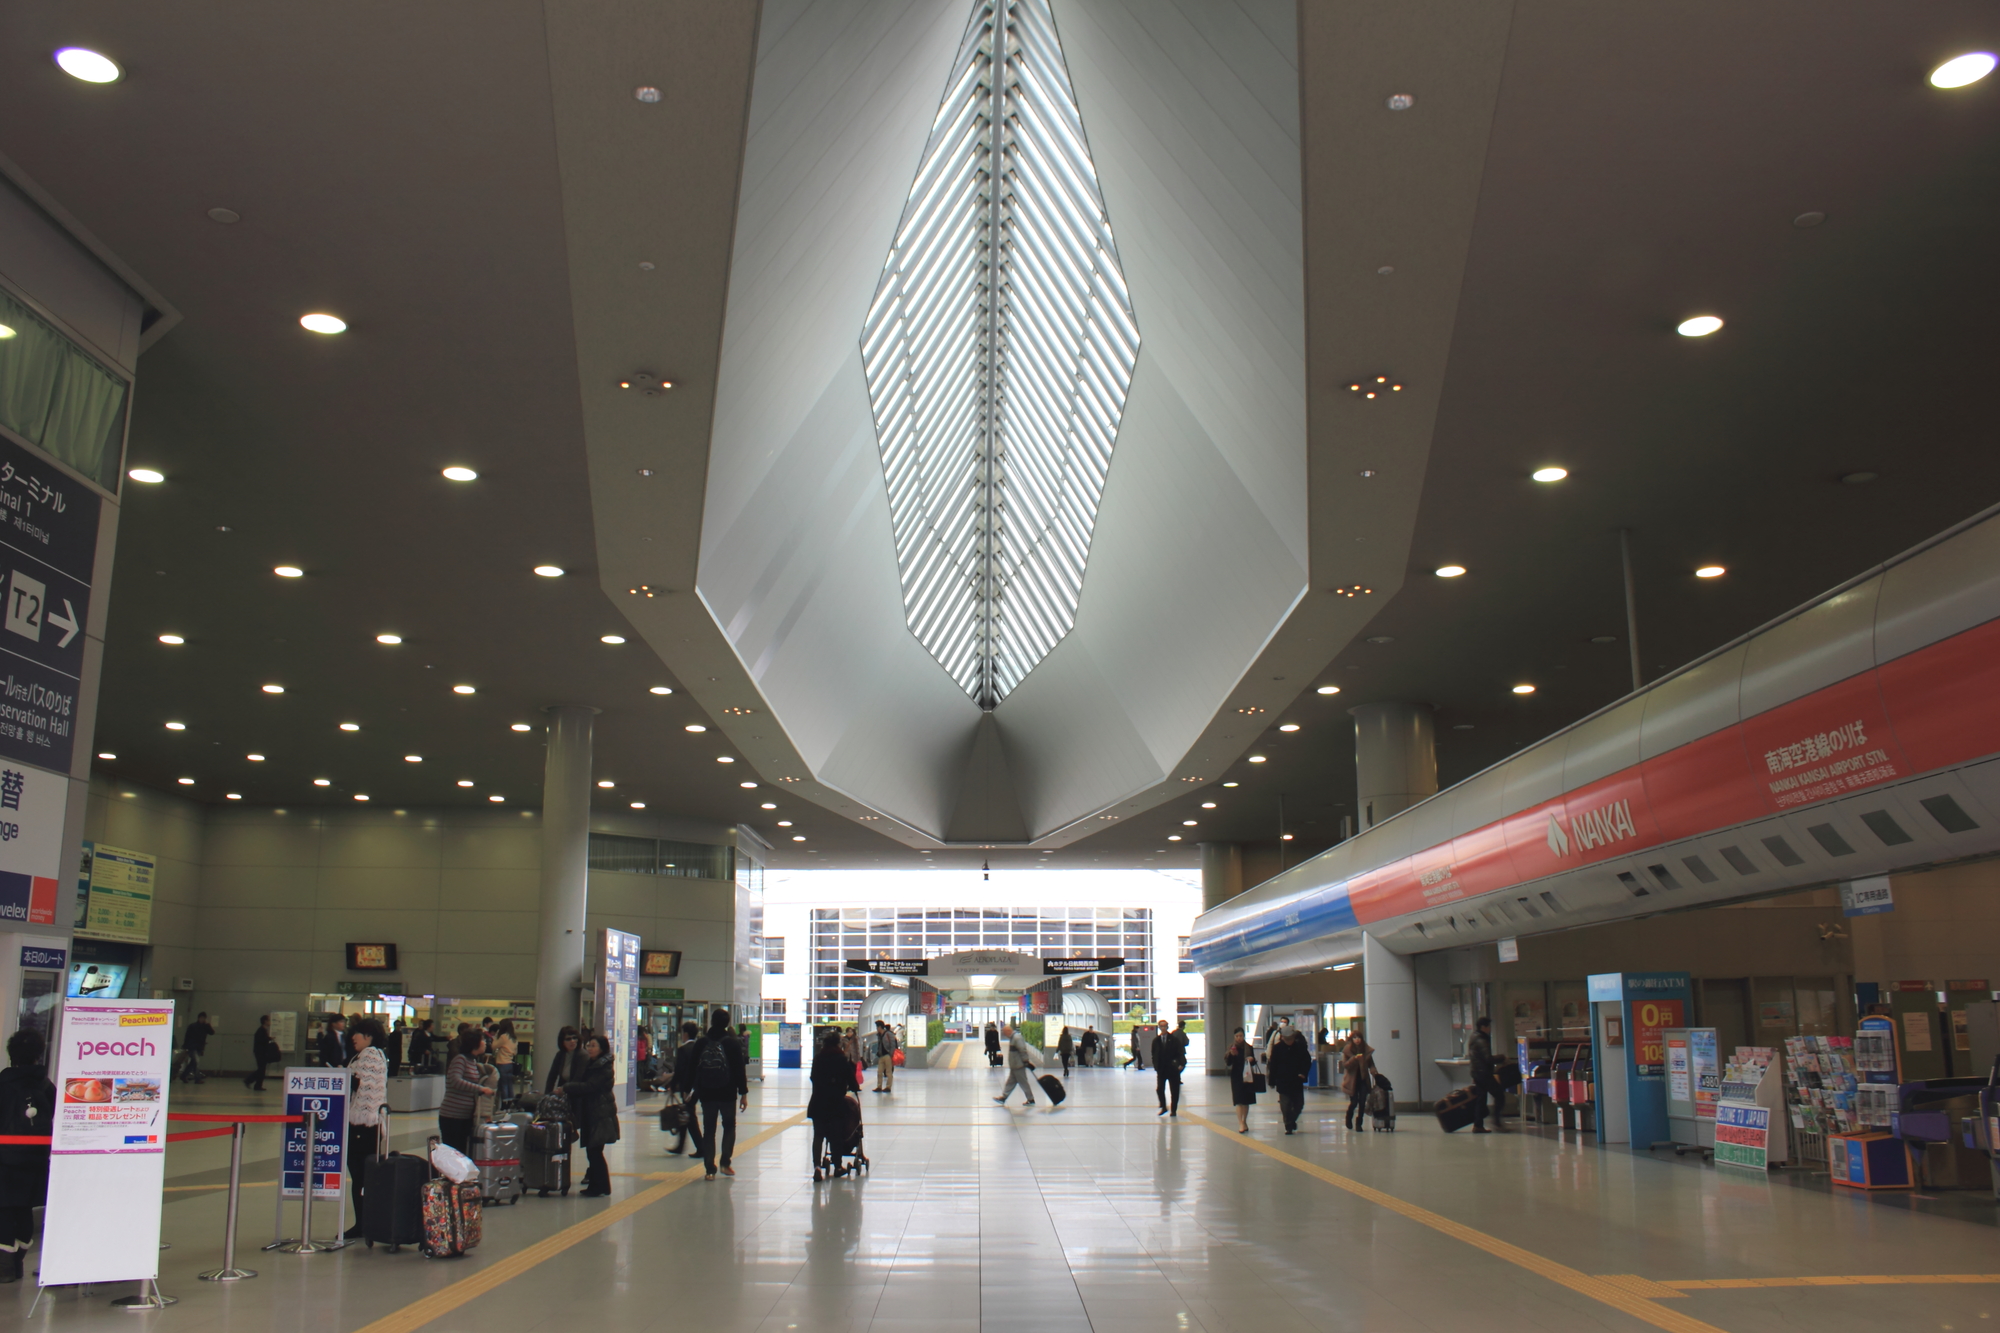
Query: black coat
732	1052
264	1048
24	1168
832	1079
593	1100
565	1066
1288	1065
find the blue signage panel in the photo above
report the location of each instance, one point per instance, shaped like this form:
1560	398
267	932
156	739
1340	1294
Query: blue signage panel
48	547
322	1092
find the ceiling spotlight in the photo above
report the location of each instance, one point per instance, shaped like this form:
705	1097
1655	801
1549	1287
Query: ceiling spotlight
177	726
147	475
694	726
1372	388
1604	638
638	805
1549	473
322	782
391	639
1173	837
607	782
661	689
273	689
104	754
465	782
1355	590
1232	784
1450	571
1329	689
1208	805
186	782
746	785
289	572
463	689
7	331
647	94
798	837
724	759
361	796
1524	689
1256	758
460	474
322	323
173	639
1289	726
350	726
82	63
413	759
496	797
784	823
611	638
254	758
1381	638
232	796
1284	837
519	726
1700	326
1956	72
1859	478
768	805
1710	572
549	571
1187	823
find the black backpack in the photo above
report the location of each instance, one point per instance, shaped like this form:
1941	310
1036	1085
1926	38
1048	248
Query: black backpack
711	1067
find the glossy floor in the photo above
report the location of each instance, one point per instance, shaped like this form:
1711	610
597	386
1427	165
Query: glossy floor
1099	1216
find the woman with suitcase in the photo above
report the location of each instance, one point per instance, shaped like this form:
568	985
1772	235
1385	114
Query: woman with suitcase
1243	1078
365	1101
1356	1059
594	1100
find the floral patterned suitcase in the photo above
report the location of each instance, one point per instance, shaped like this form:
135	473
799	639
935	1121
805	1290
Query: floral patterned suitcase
452	1221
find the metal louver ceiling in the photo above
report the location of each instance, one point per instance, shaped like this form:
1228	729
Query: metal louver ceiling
999	349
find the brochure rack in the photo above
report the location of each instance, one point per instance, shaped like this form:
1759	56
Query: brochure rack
1821	1085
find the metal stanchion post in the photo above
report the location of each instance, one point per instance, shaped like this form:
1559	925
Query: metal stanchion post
149	1298
229	1272
304	1244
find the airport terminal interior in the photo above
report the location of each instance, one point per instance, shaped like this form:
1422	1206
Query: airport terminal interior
1001	666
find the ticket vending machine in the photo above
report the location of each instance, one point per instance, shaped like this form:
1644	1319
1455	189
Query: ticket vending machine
1630	1014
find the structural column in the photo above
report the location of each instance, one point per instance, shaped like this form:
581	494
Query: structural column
1389	1010
565	871
1395	759
1221	880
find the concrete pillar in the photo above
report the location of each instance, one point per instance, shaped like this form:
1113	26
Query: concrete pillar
1389	1011
565	873
1395	759
1432	973
1221	880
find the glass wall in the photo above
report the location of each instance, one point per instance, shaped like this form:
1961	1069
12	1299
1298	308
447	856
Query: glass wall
656	856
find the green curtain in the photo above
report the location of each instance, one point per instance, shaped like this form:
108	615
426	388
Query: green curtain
54	395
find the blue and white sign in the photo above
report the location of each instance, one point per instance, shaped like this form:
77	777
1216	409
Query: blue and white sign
322	1092
44	958
1867	897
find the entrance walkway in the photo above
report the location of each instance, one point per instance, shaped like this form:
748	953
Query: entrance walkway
1100	1216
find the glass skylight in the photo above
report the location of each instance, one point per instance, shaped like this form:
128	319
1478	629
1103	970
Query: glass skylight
999	350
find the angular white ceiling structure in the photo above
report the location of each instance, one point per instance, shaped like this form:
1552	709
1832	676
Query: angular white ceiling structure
999	351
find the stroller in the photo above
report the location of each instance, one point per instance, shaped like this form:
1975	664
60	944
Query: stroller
1381	1102
840	1150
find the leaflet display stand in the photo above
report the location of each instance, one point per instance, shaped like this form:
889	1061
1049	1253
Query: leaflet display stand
1861	1150
1750	1122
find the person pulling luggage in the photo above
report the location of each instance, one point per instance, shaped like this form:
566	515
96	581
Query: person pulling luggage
368	1094
1356	1058
1484	1081
1019	1063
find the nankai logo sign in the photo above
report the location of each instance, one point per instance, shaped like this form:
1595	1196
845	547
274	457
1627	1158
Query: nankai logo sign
1593	828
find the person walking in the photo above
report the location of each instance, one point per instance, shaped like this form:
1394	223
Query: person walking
332	1044
194	1042
680	1085
27	1107
1133	1058
1088	1046
367	1099
1019	1062
506	1058
420	1048
1169	1062
1356	1059
885	1057
832	1083
722	1083
263	1051
1290	1061
462	1090
1241	1058
593	1097
1480	1051
992	1046
1066	1050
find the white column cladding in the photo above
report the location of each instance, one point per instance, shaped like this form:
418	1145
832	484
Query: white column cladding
1389	1004
566	791
1221	880
1432	973
1395	759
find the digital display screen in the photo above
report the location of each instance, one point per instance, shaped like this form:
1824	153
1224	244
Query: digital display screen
104	980
659	962
371	957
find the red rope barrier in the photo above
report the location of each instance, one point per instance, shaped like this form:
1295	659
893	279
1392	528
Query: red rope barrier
187	1134
24	1138
240	1119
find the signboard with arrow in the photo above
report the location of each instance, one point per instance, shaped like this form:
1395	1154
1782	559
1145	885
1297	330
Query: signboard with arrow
48	545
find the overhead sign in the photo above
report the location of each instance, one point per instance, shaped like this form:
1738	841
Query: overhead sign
617	1000
31	860
1867	897
891	967
121	895
108	1159
48	547
45	957
323	1093
659	962
1076	967
662	993
371	958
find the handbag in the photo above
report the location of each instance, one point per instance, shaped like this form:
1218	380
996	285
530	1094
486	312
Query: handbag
896	1057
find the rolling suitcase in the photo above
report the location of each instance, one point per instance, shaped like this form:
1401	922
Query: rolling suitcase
1052	1088
451	1214
499	1154
545	1154
392	1211
1454	1112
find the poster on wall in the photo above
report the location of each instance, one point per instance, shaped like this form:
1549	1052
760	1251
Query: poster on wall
31	860
107	1164
1706	1071
121	895
617	997
1651	1018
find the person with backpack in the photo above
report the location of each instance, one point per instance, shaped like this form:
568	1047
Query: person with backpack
681	1091
594	1099
722	1084
195	1043
264	1050
1169	1061
27	1107
885	1057
1020	1066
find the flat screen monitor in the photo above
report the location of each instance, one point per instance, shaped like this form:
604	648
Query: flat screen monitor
96	980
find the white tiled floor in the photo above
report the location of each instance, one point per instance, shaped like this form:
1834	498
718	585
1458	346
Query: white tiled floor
1099	1216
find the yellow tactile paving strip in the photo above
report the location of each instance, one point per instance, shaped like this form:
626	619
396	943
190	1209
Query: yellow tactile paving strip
1681	1286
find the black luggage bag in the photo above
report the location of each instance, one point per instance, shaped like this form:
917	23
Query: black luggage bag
1053	1089
392	1211
1454	1112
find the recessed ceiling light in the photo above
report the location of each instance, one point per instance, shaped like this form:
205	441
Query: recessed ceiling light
611	638
173	639
1524	689
1232	784
1284	837
413	759
177	726
463	689
519	726
1699	326
232	796
391	639
1381	638
322	782
1550	473
1450	571
746	785
1956	72
186	782
638	805
1710	572
361	796
254	758
323	323
784	823
1173	837
798	837
694	726
147	475
465	782
1812	219
7	331
724	759
273	689
82	63
1256	758
460	474
1187	823
662	689
1208	805
289	572
105	754
496	797
1289	726
350	726
1604	638
549	571
607	782
1329	689
1859	478
768	805
1461	726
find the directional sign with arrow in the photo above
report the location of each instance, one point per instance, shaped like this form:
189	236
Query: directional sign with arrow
48	543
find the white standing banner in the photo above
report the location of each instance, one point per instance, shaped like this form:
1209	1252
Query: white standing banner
108	1164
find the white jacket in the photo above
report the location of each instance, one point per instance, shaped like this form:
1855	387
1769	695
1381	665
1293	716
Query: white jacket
371	1087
